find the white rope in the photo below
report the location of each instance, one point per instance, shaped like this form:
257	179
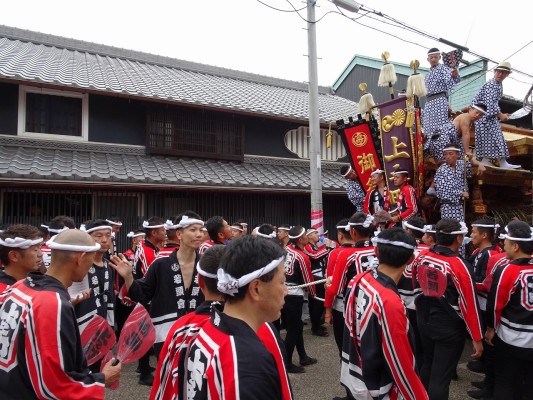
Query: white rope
306	284
187	221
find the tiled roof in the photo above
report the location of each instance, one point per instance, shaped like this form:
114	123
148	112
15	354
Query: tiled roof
90	164
36	57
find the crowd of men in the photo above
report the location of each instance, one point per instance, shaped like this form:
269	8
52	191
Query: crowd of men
400	298
397	291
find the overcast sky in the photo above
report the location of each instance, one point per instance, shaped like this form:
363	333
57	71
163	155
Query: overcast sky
248	36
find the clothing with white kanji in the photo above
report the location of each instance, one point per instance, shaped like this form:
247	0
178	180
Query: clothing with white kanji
356	194
101	302
439	81
164	288
450	183
489	141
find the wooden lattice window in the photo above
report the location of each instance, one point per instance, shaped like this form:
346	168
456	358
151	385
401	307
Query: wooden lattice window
194	133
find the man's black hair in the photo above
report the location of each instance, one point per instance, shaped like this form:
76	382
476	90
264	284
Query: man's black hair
115	218
287	226
153	221
520	229
23	231
188	213
266	229
344	169
210	262
447	225
214	225
92	223
418	222
395	256
360	217
295	231
482	106
247	254
62	221
345	233
482	229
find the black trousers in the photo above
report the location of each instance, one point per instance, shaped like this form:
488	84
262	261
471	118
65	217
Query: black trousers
442	345
316	307
338	329
512	368
291	314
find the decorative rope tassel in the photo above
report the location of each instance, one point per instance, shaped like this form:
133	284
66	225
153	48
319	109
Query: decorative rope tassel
387	75
328	137
415	83
366	102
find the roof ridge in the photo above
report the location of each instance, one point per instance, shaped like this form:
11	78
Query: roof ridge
47	39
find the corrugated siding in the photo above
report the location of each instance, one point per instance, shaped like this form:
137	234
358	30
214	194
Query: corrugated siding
297	141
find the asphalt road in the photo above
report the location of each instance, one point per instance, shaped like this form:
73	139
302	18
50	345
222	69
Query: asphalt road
319	382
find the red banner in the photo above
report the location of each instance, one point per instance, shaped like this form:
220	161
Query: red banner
399	142
360	147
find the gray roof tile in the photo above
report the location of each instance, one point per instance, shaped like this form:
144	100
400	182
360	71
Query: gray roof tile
31	56
46	162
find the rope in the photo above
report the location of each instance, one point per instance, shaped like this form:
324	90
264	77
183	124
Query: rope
307	284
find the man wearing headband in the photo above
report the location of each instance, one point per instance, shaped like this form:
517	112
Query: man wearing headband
451	185
430	236
185	329
149	248
237	230
100	280
40	350
20	253
489	141
406	203
283	234
219	232
445	307
318	255
510	315
116	226
55	226
337	259
440	80
136	238
416	228
298	272
482	235
355	192
377	199
227	357
170	285
377	338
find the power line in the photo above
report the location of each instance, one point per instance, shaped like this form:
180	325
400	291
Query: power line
279	9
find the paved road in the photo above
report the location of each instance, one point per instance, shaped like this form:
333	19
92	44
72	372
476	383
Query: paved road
319	382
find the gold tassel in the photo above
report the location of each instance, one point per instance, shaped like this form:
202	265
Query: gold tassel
415	83
329	137
366	102
387	75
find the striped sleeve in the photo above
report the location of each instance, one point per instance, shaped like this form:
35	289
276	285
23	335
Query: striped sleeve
398	352
500	293
305	267
467	299
410	202
56	366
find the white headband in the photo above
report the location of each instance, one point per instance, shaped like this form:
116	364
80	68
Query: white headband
113	222
71	247
309	231
237	228
347	172
345	227
264	235
95	228
282	228
133	234
495	226
515	239
365	224
229	285
429	229
377	171
203	273
187	221
147	225
20	243
375	240
406	225
462	231
434	52
297	236
451	148
169	225
479	109
44	226
57	230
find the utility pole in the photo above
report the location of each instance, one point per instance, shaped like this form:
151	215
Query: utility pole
317	213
